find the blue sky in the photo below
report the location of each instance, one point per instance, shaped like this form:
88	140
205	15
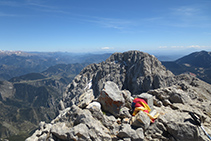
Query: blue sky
105	25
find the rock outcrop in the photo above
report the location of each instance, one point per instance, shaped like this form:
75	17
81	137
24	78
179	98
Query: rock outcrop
108	89
134	71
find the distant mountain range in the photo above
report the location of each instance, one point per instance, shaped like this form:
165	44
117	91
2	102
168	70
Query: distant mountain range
197	64
28	99
197	59
16	63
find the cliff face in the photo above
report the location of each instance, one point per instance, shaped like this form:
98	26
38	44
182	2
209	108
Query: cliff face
97	104
135	71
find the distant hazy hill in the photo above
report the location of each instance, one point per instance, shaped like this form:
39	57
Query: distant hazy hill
16	63
197	63
197	59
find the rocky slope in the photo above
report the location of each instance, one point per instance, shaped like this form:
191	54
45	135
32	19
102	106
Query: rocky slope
96	105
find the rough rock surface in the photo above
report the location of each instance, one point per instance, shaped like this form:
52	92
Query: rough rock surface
136	72
111	98
141	120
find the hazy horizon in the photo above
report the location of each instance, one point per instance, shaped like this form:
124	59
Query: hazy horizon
162	56
105	26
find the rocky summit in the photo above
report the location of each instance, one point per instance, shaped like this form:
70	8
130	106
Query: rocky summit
97	103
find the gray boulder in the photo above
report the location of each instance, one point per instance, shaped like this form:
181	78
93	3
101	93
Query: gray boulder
170	95
183	131
176	125
141	120
111	98
79	132
124	112
127	132
96	128
86	98
94	106
60	130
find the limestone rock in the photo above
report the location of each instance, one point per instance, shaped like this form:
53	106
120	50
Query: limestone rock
127	132
170	95
61	105
35	136
140	133
141	120
79	132
124	113
133	70
183	131
94	105
128	98
60	130
96	128
111	98
86	98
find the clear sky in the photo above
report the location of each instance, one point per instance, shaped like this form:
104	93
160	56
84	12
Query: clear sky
105	25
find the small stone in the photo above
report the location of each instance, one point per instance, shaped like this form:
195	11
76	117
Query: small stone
166	102
119	121
141	120
126	120
124	113
94	105
61	105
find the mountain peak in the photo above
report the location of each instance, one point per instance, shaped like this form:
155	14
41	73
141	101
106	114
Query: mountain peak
133	70
18	53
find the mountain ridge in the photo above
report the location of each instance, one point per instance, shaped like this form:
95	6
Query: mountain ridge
196	63
197	59
16	63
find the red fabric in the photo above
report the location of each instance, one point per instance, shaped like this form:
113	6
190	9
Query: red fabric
138	101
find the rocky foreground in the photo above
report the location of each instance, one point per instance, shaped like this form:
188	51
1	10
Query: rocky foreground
97	104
